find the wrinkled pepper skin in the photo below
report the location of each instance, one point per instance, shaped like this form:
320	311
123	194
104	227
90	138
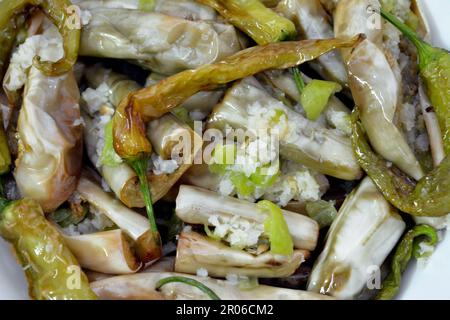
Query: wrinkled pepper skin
129	133
52	271
429	197
251	16
436	75
406	249
60	13
434	68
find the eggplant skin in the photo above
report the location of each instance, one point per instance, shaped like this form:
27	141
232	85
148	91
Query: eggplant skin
50	141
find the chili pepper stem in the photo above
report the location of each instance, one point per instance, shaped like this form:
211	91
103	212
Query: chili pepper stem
422	46
140	167
190	282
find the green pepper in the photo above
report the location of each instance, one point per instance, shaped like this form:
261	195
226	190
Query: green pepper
147	5
52	271
315	96
408	247
5	157
251	16
276	228
129	132
8	32
434	67
60	13
428	197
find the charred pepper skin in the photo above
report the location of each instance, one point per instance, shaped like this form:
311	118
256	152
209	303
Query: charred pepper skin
60	12
52	271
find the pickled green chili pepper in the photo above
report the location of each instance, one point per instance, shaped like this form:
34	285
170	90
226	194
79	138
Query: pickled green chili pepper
5	156
8	33
52	271
434	67
408	247
251	16
428	197
60	12
130	139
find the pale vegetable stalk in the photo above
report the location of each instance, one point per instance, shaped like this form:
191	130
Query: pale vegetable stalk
195	251
185	9
164	135
313	23
106	252
303	141
336	113
361	237
132	223
142	286
196	206
375	84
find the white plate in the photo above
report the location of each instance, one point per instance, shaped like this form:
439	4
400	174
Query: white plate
430	282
